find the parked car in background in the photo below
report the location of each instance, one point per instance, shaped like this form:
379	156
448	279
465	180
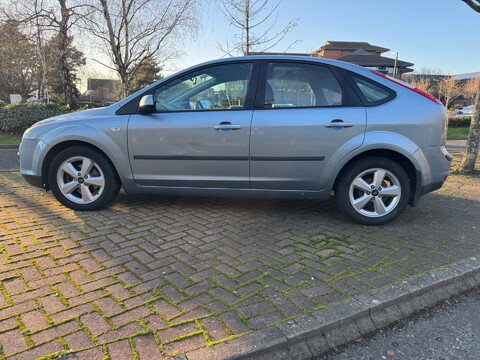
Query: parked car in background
34	100
108	103
463	111
278	126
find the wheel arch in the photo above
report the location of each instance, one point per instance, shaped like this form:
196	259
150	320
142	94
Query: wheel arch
413	174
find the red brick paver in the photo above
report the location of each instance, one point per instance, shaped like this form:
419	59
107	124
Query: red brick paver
156	277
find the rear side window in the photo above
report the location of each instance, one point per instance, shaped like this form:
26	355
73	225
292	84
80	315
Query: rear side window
373	93
297	85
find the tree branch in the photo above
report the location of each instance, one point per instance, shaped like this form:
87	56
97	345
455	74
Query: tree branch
474	4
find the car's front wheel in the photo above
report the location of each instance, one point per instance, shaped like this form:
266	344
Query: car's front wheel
83	179
373	191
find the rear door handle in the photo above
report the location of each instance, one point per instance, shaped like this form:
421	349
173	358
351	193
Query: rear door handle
338	123
225	125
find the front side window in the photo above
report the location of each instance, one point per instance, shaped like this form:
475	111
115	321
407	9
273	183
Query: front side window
301	85
220	87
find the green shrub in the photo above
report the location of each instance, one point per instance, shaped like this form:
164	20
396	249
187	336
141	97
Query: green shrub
84	105
15	119
459	121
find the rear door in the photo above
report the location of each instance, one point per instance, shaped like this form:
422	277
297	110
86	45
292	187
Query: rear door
304	114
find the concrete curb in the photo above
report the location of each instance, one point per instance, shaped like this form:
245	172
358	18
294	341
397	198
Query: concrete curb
314	334
8	147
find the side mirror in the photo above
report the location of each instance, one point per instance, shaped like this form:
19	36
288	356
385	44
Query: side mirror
146	105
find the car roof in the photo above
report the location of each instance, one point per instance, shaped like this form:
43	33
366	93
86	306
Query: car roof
320	60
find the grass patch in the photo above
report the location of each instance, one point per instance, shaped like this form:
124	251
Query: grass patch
458	133
9	139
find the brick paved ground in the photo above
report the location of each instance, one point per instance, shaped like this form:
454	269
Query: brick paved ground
156	277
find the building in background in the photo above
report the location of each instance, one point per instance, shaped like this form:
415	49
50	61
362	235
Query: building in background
359	53
337	49
102	90
364	54
467	77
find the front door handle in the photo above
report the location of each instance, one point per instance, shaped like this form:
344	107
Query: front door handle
225	125
338	123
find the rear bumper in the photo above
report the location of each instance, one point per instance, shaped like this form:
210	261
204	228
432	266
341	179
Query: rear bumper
431	187
434	167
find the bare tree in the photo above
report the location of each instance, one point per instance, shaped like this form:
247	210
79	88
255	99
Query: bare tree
473	142
32	27
64	23
421	82
429	71
256	21
449	89
17	61
135	31
37	34
434	75
470	88
56	17
474	4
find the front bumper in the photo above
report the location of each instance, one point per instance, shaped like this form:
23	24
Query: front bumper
34	180
31	153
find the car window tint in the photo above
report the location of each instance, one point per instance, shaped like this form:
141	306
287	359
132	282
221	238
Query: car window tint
372	92
218	87
301	85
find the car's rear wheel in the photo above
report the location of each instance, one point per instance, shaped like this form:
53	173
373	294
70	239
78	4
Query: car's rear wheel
83	179
373	191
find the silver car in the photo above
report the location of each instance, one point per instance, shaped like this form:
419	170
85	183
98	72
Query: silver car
281	126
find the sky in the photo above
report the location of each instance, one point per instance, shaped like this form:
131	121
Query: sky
441	34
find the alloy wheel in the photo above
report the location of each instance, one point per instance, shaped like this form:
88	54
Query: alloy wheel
80	180
375	192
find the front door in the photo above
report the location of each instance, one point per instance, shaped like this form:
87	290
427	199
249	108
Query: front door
199	134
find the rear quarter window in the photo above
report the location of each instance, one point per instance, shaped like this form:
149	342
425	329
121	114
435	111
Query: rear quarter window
371	92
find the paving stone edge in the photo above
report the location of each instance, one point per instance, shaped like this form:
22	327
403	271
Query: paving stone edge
316	333
12	147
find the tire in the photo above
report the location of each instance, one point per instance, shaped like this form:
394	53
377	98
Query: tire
83	179
378	205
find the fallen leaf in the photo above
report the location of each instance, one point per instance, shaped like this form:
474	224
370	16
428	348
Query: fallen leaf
390	352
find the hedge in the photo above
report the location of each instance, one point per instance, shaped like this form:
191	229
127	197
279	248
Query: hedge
15	119
459	121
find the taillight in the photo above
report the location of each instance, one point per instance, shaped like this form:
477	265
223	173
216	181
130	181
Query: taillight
408	86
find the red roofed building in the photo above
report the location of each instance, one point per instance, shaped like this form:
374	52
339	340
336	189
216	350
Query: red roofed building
363	54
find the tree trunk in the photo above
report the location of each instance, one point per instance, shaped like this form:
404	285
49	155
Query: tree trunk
247	28
115	47
68	85
125	82
42	82
470	155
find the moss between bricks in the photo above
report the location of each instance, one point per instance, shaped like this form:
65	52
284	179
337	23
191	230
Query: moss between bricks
56	355
25	332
